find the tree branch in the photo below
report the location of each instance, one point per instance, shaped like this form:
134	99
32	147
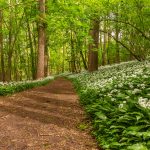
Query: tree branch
128	23
136	56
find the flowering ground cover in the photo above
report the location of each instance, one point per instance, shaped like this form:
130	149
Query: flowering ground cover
12	87
117	99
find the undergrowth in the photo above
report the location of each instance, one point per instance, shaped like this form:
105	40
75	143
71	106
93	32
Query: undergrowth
117	99
13	87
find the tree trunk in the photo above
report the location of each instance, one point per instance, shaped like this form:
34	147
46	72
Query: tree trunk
117	38
31	49
108	47
104	56
63	62
93	47
10	51
73	65
41	40
83	60
46	54
46	58
100	44
1	46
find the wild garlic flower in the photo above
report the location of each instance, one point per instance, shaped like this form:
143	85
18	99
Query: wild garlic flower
135	91
144	102
121	105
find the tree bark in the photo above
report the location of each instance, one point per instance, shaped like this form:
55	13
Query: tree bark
46	58
10	43
41	40
93	47
117	39
73	61
33	70
104	54
1	46
83	60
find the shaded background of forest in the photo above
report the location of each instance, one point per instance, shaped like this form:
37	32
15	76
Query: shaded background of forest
70	35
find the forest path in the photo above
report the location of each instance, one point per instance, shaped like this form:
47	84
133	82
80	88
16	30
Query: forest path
43	118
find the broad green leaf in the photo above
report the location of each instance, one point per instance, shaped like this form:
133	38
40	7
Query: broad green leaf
138	146
101	115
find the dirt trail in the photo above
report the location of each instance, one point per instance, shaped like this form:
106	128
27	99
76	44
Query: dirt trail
43	118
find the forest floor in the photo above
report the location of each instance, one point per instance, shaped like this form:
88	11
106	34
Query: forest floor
44	118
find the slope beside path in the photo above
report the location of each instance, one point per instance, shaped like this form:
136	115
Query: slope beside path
43	118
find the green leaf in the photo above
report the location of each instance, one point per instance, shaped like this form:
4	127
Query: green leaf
101	115
133	128
146	135
138	146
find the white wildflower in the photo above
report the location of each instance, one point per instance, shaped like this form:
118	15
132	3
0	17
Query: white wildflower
121	105
131	86
136	91
144	102
113	99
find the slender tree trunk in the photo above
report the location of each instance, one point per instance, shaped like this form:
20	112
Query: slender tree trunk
104	56
1	46
41	40
63	62
46	57
108	46
35	45
117	46
83	60
46	54
100	44
73	65
117	38
79	48
93	47
31	49
10	51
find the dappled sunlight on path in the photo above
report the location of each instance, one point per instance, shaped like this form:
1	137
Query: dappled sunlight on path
43	118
